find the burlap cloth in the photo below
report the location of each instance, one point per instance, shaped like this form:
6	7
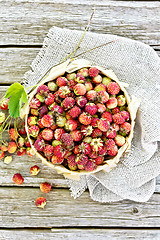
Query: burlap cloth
138	65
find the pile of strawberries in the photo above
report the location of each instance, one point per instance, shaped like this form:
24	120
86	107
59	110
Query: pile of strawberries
18	139
79	119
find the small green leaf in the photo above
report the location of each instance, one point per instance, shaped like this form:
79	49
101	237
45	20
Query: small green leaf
15	87
24	97
14	105
17	95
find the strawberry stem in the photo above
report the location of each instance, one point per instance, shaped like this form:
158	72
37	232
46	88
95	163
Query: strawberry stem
91	49
72	53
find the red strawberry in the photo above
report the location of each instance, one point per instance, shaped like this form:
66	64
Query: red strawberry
22	129
81	161
42	111
81	101
110	144
84	148
103	96
71	125
103	125
126	115
35	103
111	133
112	103
90	165
58	133
57	110
21	151
47	134
115	110
43	90
93	72
71	84
94	122
68	102
113	88
79	89
71	162
99	160
93	155
4	103
113	151
91	95
74	112
67	140
85	118
59	151
76	134
103	151
47	120
39	144
125	128
118	118
50	99
76	150
91	108
80	79
107	116
96	133
61	81
48	150
18	179
56	160
101	107
64	91
97	79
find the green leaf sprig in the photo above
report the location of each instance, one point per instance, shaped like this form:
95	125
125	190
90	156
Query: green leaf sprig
17	94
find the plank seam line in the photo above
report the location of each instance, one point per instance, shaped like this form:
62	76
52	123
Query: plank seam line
21	46
80	227
37	187
156	47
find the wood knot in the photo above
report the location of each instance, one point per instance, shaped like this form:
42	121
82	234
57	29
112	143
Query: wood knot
135	210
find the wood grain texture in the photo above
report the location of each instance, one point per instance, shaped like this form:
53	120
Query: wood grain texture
22	165
79	234
27	22
18	210
15	62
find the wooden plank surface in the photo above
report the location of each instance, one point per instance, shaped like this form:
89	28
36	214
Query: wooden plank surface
78	234
23	26
15	62
18	210
27	22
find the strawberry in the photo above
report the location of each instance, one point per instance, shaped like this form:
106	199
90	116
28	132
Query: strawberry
91	108
93	72
85	118
113	88
80	89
